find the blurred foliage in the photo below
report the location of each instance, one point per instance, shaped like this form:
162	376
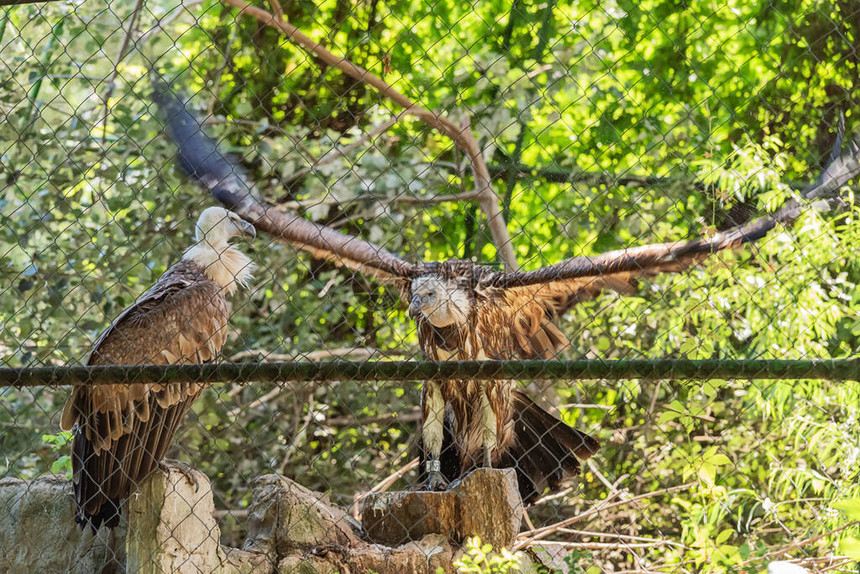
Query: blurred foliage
481	559
607	124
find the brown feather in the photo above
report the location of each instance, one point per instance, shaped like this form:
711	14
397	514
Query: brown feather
123	431
505	324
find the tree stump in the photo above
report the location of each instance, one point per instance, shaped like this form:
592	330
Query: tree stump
172	528
286	517
38	531
486	503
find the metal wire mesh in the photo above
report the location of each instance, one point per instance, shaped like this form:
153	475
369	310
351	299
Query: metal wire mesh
508	134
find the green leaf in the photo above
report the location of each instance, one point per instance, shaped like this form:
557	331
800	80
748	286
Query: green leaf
707	474
719	459
62	465
723	536
850	506
667	416
850	546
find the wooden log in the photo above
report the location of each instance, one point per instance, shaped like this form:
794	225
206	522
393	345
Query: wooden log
486	503
285	516
172	528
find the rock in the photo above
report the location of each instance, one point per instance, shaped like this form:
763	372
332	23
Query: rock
486	503
171	528
426	555
285	517
291	529
38	532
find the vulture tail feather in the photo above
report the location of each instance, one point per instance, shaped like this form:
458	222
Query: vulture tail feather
94	507
104	479
544	449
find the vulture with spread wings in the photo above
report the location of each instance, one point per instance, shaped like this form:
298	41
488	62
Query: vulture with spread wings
466	311
122	432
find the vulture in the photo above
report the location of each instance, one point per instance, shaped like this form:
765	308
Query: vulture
121	432
467	311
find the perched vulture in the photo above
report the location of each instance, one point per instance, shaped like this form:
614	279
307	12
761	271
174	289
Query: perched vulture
121	432
466	311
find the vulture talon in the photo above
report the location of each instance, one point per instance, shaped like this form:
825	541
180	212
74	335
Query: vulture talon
436	482
488	462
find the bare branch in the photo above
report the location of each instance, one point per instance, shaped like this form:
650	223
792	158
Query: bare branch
802	543
410	199
619	536
233	413
462	136
23	2
123	51
356	352
413	415
586	406
530	537
604	545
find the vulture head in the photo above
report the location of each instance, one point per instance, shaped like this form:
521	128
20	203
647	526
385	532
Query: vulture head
217	226
443	302
213	251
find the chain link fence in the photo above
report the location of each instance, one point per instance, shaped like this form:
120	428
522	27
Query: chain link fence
721	381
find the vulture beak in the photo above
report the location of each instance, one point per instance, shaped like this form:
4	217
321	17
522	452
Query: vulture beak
415	305
247	229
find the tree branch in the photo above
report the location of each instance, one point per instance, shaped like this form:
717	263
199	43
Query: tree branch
23	2
319	355
421	200
461	135
529	538
123	51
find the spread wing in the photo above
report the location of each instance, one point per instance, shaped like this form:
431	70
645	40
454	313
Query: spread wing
200	157
121	432
532	300
520	322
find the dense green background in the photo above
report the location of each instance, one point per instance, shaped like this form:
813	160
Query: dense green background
606	124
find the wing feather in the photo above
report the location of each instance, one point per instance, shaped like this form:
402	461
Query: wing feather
201	159
610	268
123	431
539	297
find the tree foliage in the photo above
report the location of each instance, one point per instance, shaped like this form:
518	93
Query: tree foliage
606	124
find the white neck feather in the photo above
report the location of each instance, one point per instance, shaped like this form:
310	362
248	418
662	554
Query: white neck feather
222	263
